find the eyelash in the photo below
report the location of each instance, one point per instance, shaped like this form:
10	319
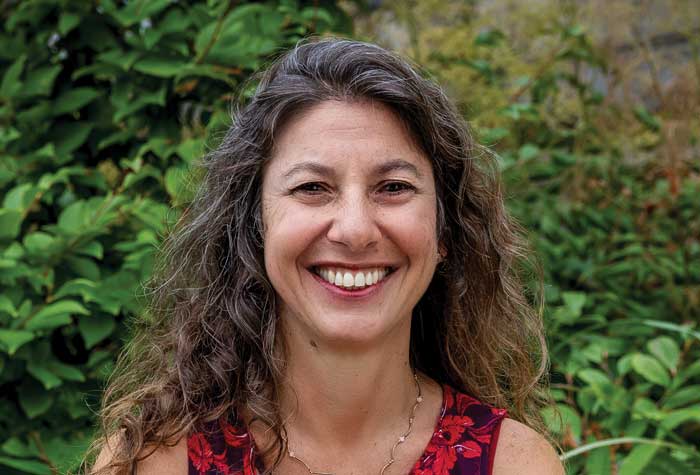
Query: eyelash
305	188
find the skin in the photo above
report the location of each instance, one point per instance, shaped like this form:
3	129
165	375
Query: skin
349	385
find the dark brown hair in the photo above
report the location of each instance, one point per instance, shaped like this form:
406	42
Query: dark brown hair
207	343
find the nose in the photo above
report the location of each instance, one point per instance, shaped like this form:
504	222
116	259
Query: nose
355	223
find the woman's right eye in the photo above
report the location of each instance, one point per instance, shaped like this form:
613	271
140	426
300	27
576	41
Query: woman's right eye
312	188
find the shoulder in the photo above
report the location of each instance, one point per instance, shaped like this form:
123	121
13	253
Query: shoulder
171	459
166	459
523	451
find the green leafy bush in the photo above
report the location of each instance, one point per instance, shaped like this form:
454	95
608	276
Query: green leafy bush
611	197
103	107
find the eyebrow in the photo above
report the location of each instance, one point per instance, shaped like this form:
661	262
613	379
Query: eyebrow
381	169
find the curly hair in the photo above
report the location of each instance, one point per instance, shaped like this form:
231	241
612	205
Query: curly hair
207	343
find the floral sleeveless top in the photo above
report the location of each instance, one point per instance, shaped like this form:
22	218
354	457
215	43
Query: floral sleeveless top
463	443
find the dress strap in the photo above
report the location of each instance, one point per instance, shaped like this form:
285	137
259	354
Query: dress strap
465	437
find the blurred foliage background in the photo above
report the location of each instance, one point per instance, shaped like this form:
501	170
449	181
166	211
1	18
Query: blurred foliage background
592	107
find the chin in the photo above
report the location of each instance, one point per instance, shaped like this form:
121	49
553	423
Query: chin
352	332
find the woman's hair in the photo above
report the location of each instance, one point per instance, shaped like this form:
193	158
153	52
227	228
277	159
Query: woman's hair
207	342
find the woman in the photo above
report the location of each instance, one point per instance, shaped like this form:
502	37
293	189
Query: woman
341	297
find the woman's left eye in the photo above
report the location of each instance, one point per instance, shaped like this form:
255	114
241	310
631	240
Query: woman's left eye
397	187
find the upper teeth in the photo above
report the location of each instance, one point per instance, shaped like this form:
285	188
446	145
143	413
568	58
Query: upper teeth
348	278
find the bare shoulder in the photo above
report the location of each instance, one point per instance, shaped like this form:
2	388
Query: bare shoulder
523	451
170	459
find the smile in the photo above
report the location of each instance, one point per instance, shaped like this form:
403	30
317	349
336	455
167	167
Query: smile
352	279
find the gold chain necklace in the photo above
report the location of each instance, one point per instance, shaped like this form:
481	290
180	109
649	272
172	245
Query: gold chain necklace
401	439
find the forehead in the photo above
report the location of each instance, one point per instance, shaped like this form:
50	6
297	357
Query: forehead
360	135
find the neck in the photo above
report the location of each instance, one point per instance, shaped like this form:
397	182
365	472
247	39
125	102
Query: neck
336	397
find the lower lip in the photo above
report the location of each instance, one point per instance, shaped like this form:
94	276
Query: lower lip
351	294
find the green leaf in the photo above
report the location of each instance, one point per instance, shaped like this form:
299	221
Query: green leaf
689	372
40	244
597	380
6	306
190	150
20	197
11	340
492	135
125	106
55	315
10	223
65	372
666	350
682	397
67	22
66	453
638	458
148	171
685	330
570	421
136	10
83	287
34	399
92	249
650	368
599	461
69	136
84	267
16	448
75	217
646	408
120	58
11	84
574	301
27	466
160	66
73	100
676	418
176	182
43	375
40	81
95	328
8	135
175	21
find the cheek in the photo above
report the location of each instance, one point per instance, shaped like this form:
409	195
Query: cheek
414	230
288	232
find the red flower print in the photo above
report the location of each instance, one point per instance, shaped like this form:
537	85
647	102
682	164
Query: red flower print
469	449
203	457
463	402
483	438
234	436
439	461
452	428
445	459
199	452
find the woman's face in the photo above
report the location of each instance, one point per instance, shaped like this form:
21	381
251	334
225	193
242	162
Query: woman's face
347	196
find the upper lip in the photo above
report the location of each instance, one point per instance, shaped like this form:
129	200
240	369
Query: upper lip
347	265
